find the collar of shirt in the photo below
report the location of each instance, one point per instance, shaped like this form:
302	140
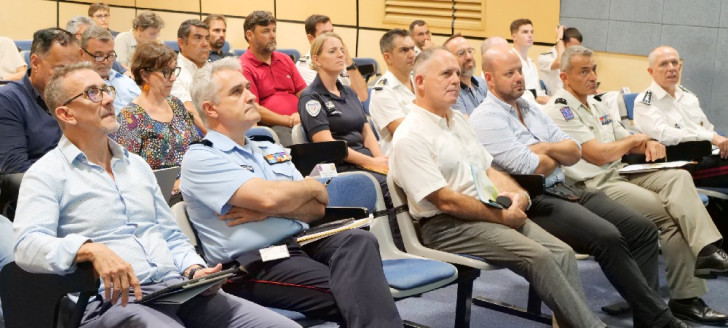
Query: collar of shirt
224	143
113	75
275	56
474	82
33	92
394	83
442	122
186	64
317	86
72	153
659	93
522	103
572	102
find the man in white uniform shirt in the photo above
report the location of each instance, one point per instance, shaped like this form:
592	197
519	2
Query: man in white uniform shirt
549	62
522	34
316	25
671	114
394	91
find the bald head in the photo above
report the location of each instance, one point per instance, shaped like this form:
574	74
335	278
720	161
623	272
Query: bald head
665	67
492	42
496	56
661	50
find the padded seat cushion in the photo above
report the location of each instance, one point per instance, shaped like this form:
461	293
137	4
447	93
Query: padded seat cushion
404	274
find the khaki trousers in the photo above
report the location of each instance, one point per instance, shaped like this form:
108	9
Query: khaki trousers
669	199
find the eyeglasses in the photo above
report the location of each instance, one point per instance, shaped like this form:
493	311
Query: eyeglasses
167	72
102	16
94	94
99	58
462	52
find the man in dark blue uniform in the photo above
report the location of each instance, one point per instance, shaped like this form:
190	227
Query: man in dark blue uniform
265	202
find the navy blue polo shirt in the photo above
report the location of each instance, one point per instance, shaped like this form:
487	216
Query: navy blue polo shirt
27	128
344	116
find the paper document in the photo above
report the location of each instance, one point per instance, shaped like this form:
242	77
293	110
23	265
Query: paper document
650	167
332	228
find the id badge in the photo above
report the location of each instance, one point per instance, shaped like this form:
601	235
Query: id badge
274	253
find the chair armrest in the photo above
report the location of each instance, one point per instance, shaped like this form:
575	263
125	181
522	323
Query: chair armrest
9	189
307	155
32	299
533	183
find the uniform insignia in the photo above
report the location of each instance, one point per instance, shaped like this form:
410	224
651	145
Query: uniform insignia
380	84
276	158
303	59
313	108
599	96
606	119
248	167
684	89
677	126
546	53
329	104
647	99
566	112
561	101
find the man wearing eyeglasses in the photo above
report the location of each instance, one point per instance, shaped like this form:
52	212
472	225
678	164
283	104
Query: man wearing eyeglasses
193	38
472	89
97	47
27	129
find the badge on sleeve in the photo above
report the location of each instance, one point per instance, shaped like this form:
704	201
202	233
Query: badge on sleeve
566	113
276	158
313	107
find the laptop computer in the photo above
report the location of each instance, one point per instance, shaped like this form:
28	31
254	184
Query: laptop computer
165	180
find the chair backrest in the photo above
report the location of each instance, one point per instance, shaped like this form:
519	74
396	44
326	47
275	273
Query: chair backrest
629	104
293	53
166	179
238	52
306	156
172	44
24	44
34	299
259	133
9	189
298	134
543	86
365	103
226	47
368	67
26	56
180	214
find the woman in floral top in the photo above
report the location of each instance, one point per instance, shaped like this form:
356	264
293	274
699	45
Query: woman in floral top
155	125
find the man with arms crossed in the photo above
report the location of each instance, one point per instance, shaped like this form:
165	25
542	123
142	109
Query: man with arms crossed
446	174
523	140
90	200
265	201
688	237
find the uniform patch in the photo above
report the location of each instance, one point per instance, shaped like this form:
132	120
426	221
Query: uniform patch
329	104
247	167
380	84
276	158
566	113
606	119
313	108
647	99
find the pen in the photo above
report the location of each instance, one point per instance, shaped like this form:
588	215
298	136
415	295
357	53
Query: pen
326	184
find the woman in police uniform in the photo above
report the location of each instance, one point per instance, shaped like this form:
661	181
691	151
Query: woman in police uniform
332	111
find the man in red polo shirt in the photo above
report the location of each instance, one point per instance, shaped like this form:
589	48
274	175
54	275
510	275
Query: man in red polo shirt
273	76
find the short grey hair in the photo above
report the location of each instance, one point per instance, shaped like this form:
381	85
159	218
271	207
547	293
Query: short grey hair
653	54
95	32
203	86
571	52
75	23
55	93
424	57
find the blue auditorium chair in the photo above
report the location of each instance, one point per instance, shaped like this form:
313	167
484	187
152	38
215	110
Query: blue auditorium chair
24	44
172	44
238	52
293	53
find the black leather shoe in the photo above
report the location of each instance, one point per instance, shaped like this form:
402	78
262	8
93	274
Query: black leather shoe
708	266
697	311
676	323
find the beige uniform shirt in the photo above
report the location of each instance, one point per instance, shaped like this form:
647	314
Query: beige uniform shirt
671	120
10	58
432	152
583	124
390	100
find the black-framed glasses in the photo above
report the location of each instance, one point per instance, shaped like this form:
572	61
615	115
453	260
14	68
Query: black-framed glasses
167	72
99	58
94	94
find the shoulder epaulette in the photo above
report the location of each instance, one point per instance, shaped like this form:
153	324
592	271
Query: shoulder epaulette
599	97
647	99
203	142
685	89
546	53
561	101
303	59
380	84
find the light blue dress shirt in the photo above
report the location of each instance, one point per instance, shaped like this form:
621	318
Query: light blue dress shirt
66	201
497	126
469	98
210	177
126	89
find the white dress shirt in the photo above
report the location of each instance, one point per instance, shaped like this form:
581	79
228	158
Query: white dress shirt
389	101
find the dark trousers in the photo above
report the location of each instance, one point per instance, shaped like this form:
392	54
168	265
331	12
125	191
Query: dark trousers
711	171
338	278
622	241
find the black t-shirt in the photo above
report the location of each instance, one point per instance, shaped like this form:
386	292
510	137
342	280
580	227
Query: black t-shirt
343	116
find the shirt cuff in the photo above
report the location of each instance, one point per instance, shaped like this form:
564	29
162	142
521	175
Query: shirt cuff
706	135
63	259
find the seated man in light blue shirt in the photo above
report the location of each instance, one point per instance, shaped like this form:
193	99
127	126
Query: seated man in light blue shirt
472	89
523	140
265	201
97	47
91	200
6	250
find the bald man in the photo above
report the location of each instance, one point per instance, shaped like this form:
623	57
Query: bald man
523	140
671	114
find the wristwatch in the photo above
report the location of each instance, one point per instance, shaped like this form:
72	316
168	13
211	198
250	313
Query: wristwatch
525	194
351	67
191	275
